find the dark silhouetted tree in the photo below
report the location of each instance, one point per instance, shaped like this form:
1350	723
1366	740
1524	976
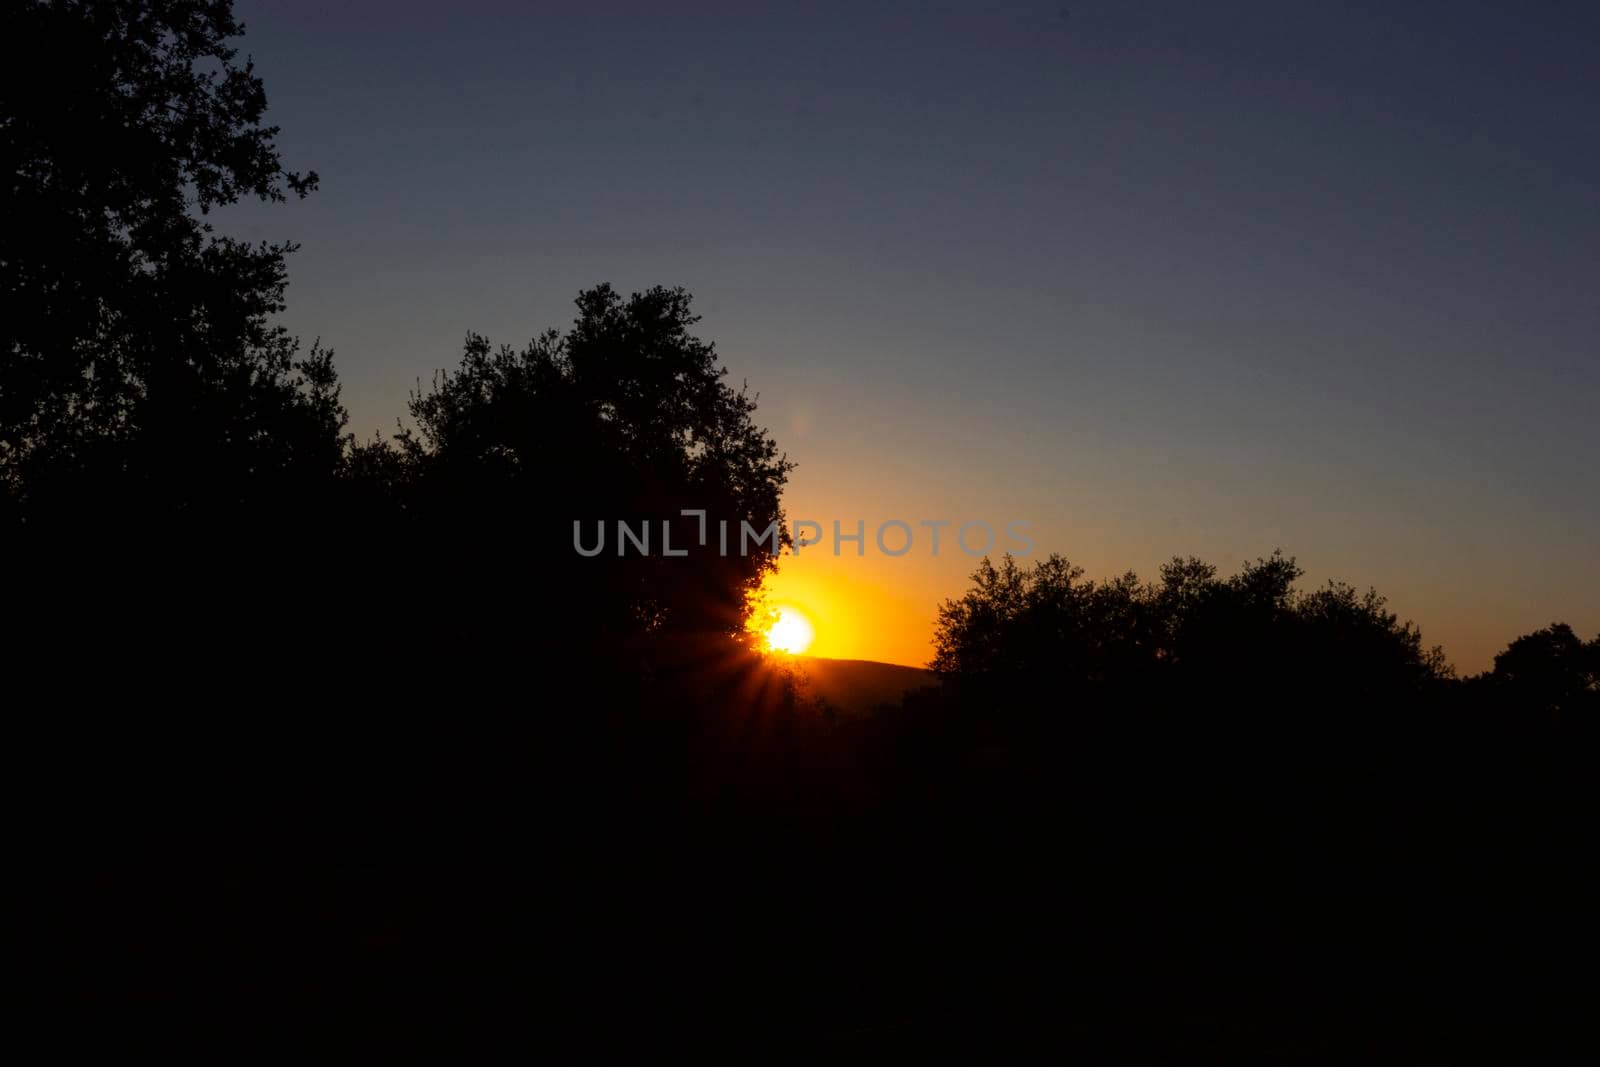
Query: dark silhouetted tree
1043	626
1356	647
140	372
1551	672
1043	633
624	418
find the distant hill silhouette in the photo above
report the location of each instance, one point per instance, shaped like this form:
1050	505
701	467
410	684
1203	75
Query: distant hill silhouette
858	686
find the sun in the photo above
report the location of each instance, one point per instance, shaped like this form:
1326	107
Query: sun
790	632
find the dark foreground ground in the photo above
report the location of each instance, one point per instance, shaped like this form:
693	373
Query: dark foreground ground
748	881
456	888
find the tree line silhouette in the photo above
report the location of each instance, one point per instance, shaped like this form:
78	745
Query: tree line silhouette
332	737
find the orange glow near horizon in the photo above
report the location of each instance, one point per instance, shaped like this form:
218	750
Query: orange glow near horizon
850	611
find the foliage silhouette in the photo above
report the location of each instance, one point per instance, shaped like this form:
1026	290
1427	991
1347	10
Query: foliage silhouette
1041	630
140	374
1551	672
624	419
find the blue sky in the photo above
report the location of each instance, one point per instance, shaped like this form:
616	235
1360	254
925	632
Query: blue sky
1158	278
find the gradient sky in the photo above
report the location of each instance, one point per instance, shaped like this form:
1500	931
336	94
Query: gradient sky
1157	278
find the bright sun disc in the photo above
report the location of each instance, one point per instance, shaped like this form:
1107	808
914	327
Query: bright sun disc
790	632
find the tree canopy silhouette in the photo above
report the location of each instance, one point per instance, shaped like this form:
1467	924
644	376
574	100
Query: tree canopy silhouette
1043	631
626	418
140	372
1551	672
